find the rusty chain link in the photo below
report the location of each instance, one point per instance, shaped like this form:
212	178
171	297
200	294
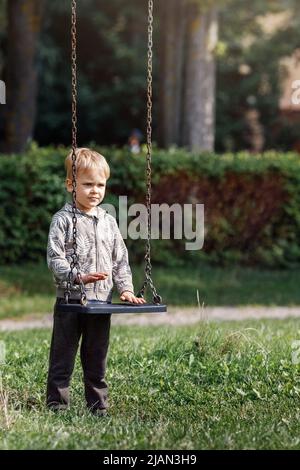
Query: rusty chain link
148	267
74	263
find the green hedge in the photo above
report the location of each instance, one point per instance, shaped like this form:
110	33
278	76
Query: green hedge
252	202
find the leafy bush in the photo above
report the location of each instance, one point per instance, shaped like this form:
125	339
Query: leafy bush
252	202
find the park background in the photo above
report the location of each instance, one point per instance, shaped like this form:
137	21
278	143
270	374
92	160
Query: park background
226	135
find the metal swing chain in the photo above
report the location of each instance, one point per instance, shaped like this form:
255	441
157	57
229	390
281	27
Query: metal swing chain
74	263
148	267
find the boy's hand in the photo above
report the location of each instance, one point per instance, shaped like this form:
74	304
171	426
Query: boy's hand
93	277
130	297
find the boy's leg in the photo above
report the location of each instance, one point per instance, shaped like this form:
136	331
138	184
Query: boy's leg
64	344
93	352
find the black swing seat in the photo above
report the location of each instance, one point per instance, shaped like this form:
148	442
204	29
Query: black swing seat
95	307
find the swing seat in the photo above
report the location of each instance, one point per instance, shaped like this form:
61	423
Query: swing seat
95	307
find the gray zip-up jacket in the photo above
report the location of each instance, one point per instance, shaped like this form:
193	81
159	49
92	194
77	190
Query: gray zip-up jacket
101	248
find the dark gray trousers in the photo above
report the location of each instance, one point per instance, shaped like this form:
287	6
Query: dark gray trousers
93	330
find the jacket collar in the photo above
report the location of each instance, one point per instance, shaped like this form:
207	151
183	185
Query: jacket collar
100	212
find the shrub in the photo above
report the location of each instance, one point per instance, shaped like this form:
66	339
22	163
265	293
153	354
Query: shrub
252	202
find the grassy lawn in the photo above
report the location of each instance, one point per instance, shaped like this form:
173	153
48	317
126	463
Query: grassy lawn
210	386
29	289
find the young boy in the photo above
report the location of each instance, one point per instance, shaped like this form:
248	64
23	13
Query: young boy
103	261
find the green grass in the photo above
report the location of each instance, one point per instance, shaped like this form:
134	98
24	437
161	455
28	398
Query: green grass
28	289
210	386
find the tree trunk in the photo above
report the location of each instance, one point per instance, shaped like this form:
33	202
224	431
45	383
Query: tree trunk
187	75
171	51
199	100
24	24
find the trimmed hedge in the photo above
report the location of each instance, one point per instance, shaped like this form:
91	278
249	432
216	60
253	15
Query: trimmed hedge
252	202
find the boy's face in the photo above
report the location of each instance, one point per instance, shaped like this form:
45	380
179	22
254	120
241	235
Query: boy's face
90	188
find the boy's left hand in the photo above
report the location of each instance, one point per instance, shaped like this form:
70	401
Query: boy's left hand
130	297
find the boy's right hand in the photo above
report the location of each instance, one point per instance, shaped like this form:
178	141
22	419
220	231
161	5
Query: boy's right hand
93	277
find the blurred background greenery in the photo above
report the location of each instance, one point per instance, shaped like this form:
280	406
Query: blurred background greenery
225	130
251	52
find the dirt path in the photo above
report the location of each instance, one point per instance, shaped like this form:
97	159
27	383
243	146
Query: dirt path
175	316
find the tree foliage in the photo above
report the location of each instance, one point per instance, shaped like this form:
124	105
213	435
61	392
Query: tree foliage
245	42
112	41
111	71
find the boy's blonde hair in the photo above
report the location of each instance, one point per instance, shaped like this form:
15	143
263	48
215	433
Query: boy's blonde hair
86	159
